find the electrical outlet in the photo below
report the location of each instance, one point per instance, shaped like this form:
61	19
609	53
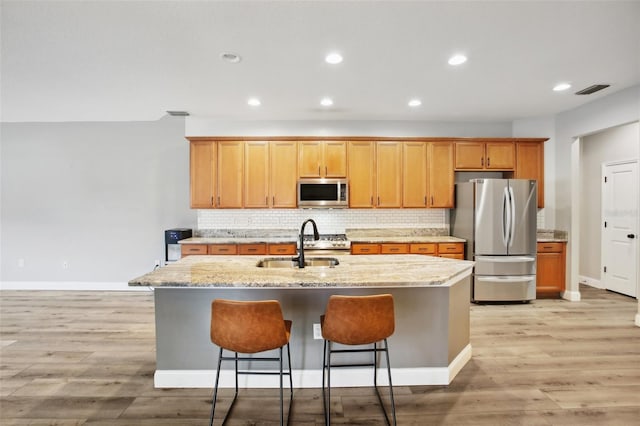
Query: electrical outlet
317	332
65	264
20	263
157	264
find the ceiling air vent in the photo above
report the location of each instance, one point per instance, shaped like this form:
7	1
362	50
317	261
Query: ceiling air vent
178	113
592	89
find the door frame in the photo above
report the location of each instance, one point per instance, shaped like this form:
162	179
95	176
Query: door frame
637	224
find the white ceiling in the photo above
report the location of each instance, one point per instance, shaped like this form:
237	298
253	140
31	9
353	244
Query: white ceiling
112	61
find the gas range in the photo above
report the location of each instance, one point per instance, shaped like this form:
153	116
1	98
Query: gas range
327	242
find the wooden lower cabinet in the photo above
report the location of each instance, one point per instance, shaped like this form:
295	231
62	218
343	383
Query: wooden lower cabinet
189	249
282	249
391	248
551	267
222	249
240	249
450	250
363	248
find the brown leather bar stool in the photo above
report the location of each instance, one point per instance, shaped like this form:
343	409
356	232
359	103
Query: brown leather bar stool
249	327
357	320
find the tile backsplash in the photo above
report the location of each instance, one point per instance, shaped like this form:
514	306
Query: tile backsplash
330	220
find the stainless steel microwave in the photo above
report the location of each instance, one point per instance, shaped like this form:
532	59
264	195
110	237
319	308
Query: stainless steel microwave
323	193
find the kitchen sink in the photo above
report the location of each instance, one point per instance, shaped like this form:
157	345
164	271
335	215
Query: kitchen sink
287	262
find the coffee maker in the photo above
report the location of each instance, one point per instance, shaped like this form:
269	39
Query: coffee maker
172	249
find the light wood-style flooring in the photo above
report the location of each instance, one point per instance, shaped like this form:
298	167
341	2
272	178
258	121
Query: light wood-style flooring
70	358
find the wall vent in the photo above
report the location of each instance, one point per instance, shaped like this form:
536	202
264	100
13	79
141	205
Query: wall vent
592	89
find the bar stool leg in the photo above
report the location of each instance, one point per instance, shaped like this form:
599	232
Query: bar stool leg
393	403
215	389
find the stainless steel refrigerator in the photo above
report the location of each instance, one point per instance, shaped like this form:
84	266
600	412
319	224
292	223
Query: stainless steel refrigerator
497	217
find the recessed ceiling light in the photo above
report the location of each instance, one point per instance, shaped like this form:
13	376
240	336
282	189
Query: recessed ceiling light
415	103
457	60
230	57
254	102
333	58
561	86
326	102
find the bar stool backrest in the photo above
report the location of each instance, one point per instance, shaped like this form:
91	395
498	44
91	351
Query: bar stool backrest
358	320
248	326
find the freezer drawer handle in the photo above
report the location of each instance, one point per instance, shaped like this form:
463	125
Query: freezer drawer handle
510	279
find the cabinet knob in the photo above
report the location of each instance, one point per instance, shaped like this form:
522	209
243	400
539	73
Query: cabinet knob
632	236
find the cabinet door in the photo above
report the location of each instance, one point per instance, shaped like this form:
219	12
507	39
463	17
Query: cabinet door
389	174
550	273
230	174
283	174
530	165
423	248
309	159
414	174
469	155
217	249
361	174
256	174
393	248
441	175
202	174
189	249
364	248
256	249
335	159
500	156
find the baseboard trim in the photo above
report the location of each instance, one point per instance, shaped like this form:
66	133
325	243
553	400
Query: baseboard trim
638	319
591	282
572	296
70	285
348	377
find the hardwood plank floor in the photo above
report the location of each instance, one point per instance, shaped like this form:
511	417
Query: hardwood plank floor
71	358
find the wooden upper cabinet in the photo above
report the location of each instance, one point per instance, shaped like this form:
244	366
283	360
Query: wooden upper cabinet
282	174
230	174
530	165
441	175
414	174
202	174
361	174
322	159
475	155
388	174
500	155
256	174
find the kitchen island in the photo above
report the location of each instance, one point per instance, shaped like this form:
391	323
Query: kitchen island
430	344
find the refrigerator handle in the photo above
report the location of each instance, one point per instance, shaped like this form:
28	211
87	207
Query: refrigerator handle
506	216
512	213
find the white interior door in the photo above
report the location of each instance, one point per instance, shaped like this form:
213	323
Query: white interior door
620	231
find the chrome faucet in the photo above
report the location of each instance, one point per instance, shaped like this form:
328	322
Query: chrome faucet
316	236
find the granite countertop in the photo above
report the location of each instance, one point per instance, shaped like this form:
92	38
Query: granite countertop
382	271
552	236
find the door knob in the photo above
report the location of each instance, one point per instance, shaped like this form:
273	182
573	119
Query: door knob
632	236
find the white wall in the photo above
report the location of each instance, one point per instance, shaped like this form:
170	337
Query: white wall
96	195
206	127
618	143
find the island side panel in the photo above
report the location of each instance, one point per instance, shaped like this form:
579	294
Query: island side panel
424	317
459	317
